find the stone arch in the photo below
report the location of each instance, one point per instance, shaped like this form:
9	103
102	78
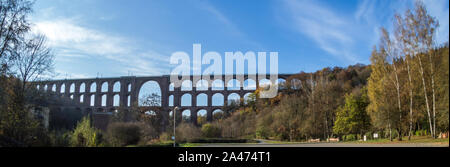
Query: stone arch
202	85
82	87
92	102
62	89
186	100
247	98
296	83
264	83
104	87
81	98
171	101
45	87
93	87
218	99
172	87
129	87
104	100
53	87
202	115
186	115
217	84
233	84
233	98
249	84
149	94
72	88
116	100
218	114
281	83
128	100
202	99
71	96
116	86
186	85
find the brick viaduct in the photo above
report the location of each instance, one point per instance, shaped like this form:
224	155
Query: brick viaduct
79	90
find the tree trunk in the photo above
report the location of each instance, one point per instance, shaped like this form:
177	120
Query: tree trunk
426	95
397	86
410	99
434	97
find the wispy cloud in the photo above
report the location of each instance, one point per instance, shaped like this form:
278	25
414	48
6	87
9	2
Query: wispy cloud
440	10
233	29
325	27
72	41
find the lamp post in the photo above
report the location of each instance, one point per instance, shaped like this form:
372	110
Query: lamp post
174	121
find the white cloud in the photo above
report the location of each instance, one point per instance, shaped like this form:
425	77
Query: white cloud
440	10
72	41
329	30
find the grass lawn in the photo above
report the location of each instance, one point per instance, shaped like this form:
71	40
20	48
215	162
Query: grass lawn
414	139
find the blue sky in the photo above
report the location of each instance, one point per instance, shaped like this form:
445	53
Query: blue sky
112	38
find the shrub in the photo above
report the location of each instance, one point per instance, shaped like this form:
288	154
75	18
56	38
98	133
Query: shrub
262	132
122	134
210	131
187	132
421	133
350	137
85	135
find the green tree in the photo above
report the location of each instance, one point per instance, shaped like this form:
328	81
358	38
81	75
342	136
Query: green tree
85	135
352	118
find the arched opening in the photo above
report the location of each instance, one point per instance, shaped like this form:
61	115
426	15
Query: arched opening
72	88
234	99
53	87
249	97
249	84
150	113
186	85
129	87
201	117
186	115
82	87
217	99
129	101
234	84
46	87
37	87
217	85
104	100
202	85
218	114
296	83
116	87
92	100
63	88
264	83
81	98
116	100
281	83
150	94
93	87
171	100
71	97
202	99
172	87
105	87
186	100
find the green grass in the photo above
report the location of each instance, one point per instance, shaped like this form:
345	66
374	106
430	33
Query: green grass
414	139
281	142
189	145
